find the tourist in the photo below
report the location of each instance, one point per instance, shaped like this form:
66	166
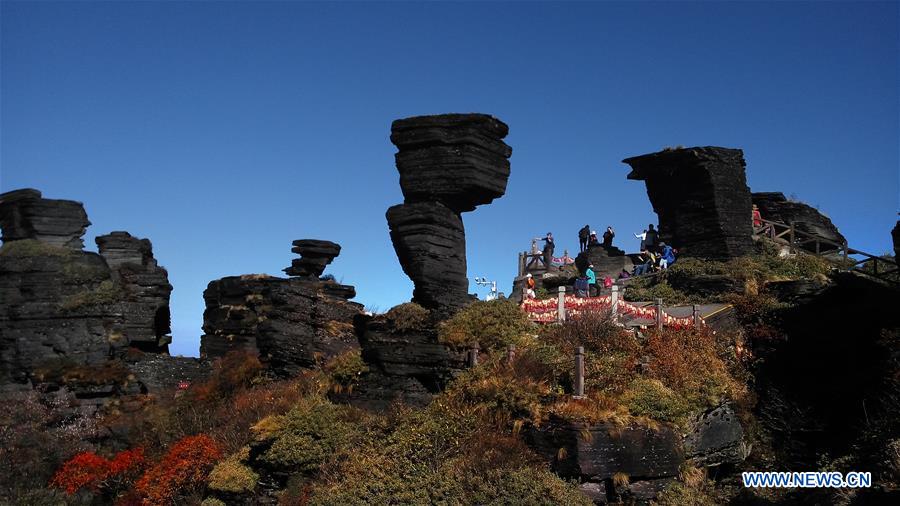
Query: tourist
548	249
651	238
757	218
646	261
529	286
624	274
592	240
591	277
607	282
583	236
667	256
608	237
643	237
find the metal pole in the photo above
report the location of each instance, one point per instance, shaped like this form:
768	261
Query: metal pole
695	312
579	373
561	305
659	314
614	303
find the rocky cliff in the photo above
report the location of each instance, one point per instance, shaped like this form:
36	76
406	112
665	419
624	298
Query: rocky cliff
774	206
701	197
292	323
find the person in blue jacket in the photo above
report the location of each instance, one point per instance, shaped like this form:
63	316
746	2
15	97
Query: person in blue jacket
591	278
667	256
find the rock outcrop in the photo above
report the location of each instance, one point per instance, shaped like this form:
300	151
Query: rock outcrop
774	206
25	214
448	164
701	197
145	311
67	316
292	323
606	261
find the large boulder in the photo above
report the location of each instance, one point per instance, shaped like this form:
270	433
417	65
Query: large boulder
716	437
314	256
457	159
701	197
25	214
430	242
606	261
774	206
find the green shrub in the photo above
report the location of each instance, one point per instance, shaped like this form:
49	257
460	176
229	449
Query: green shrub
232	475
212	501
307	435
650	398
346	368
33	247
408	316
680	494
108	292
651	289
492	324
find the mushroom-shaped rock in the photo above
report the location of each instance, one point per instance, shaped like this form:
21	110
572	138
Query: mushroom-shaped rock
701	197
314	256
457	159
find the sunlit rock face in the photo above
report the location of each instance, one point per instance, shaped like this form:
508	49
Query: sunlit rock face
291	323
701	197
774	206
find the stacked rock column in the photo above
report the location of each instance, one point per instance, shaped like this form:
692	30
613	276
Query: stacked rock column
448	164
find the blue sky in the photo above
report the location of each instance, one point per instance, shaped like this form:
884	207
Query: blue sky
224	130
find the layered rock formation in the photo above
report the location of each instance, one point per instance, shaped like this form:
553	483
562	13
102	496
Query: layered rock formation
606	261
292	323
701	197
25	214
65	312
448	164
774	206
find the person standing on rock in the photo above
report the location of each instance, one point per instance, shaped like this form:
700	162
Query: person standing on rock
548	249
651	239
583	236
757	218
608	237
643	237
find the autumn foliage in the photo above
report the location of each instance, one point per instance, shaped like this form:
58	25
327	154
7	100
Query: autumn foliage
184	466
93	472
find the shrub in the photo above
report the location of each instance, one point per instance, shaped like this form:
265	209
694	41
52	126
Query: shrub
233	475
183	468
213	501
492	324
107	292
650	398
90	471
651	289
307	435
407	316
502	391
346	368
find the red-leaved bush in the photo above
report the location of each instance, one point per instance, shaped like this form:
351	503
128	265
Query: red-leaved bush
184	466
90	471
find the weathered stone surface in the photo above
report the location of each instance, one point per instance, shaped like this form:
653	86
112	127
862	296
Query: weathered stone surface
159	372
606	261
701	197
457	159
145	309
707	285
315	255
60	305
291	323
895	236
409	366
795	291
594	491
597	452
716	437
431	245
774	206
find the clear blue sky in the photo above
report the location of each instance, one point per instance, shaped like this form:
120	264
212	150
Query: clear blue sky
224	130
